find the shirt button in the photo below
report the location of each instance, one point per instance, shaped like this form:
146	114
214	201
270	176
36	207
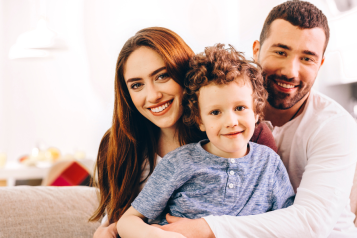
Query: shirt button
231	185
231	172
233	161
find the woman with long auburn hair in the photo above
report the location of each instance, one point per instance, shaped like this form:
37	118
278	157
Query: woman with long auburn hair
147	120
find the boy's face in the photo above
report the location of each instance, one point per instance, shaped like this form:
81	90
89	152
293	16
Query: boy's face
227	116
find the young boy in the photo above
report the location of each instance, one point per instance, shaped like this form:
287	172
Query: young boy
226	174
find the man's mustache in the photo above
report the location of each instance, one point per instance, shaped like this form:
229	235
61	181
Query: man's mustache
275	77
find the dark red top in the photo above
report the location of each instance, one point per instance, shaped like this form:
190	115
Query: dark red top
263	136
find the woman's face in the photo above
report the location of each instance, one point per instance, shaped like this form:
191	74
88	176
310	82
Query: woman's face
154	93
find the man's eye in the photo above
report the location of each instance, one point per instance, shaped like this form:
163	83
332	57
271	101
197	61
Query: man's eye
135	85
162	76
240	108
306	59
282	53
214	112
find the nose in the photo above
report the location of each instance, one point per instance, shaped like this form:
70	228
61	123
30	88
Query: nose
231	120
290	67
153	93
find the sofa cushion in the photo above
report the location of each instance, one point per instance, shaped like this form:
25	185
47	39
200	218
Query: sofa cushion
42	211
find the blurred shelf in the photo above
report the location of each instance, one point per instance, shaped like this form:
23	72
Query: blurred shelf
14	171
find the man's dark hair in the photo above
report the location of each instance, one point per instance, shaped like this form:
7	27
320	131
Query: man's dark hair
299	13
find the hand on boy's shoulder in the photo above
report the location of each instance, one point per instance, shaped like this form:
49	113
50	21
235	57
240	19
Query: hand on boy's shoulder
263	136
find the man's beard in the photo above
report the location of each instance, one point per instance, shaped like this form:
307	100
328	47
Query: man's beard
281	100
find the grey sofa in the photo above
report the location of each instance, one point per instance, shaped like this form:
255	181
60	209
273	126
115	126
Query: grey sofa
42	211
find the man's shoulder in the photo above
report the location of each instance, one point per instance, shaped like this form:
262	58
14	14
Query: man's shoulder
323	104
323	113
321	109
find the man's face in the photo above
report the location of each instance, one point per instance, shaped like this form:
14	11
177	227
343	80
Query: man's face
290	58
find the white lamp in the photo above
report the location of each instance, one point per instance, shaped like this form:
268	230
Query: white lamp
35	42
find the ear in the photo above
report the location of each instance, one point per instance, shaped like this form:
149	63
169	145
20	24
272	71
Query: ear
256	118
322	61
256	50
202	127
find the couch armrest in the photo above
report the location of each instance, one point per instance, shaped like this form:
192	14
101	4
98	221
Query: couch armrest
27	211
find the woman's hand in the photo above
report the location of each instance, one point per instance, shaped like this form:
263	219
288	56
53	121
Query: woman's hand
106	231
190	228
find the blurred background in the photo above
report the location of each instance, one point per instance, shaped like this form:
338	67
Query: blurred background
57	61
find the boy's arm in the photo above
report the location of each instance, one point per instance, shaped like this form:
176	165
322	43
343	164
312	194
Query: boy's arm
132	225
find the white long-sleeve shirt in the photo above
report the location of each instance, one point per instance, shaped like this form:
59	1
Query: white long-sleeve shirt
319	150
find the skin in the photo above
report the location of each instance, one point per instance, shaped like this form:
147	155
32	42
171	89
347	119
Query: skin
151	89
289	66
290	57
229	119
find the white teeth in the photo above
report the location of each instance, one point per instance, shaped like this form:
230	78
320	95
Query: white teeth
160	108
285	85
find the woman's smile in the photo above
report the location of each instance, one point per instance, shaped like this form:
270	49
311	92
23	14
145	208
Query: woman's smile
160	108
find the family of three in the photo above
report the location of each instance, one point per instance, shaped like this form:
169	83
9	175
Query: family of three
189	155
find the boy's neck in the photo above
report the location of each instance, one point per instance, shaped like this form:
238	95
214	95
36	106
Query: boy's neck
210	148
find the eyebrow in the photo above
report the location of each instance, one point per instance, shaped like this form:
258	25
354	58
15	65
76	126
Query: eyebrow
152	74
282	46
216	106
307	52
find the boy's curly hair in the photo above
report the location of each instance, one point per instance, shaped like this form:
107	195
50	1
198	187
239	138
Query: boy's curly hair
221	66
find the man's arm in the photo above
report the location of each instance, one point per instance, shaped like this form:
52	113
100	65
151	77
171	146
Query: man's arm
353	196
321	197
190	228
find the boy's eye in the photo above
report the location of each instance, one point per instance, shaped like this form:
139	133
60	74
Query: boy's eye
240	108
307	59
214	112
135	85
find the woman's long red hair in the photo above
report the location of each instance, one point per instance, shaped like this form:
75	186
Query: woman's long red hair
133	140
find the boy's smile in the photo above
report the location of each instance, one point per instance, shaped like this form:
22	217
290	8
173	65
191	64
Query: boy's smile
227	116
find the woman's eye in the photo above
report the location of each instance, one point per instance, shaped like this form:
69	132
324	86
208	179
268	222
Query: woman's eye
163	76
135	85
214	112
240	108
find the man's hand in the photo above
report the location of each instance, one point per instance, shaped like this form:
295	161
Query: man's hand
190	228
106	231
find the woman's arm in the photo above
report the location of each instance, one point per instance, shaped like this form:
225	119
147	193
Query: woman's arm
106	231
132	225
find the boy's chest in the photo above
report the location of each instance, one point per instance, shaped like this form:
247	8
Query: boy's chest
226	190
